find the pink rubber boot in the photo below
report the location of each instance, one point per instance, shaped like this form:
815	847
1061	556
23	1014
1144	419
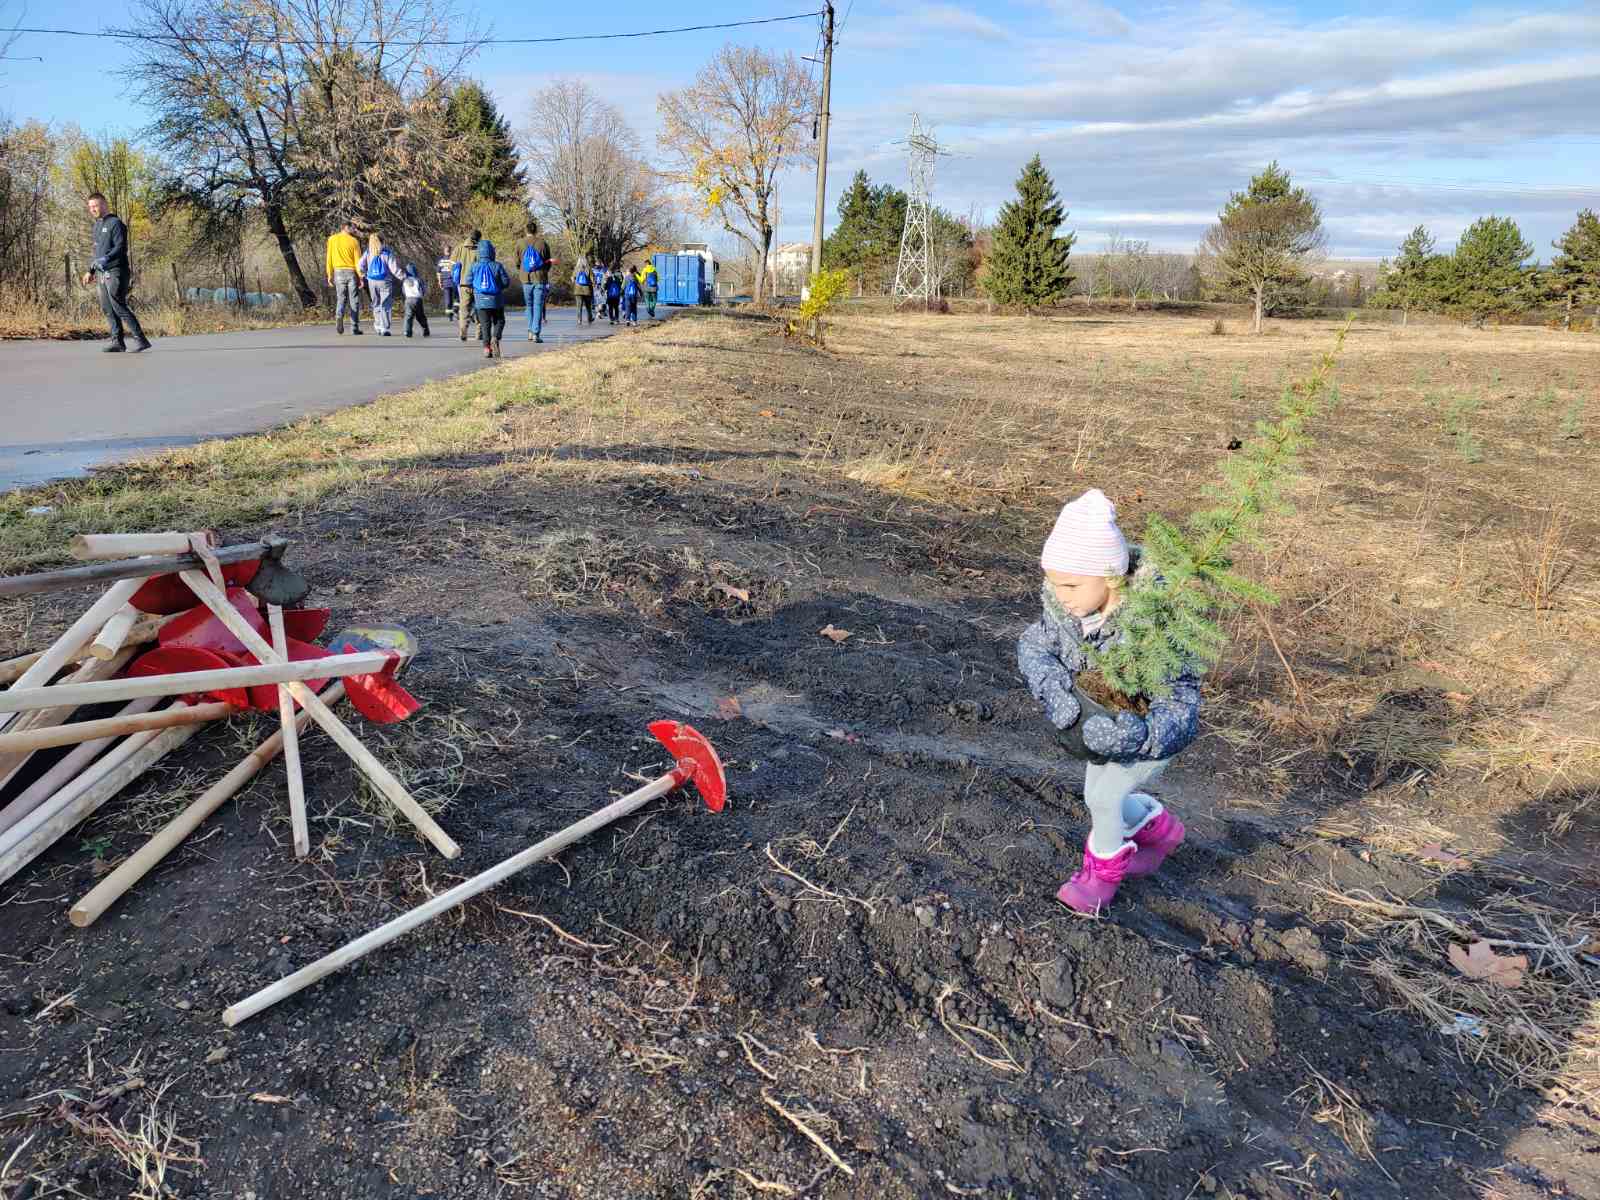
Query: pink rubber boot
1157	836
1092	888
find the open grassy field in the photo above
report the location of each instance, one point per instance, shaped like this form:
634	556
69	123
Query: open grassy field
855	981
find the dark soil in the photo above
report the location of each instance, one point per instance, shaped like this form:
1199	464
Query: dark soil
872	913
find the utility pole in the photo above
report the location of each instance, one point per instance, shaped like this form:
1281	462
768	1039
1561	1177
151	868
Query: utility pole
822	137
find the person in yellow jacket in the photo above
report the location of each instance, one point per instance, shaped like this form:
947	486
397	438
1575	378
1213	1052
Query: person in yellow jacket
647	280
344	253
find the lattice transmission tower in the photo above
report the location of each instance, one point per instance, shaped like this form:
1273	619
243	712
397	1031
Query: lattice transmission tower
912	277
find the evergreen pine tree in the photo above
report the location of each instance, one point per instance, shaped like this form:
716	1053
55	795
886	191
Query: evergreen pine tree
867	238
1028	264
1486	275
1410	282
496	174
1574	274
1168	623
1262	240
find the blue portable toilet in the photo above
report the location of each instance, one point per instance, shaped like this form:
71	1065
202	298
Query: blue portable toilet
681	279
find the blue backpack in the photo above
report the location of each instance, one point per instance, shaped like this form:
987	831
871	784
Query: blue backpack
486	280
613	288
377	269
583	279
632	288
532	260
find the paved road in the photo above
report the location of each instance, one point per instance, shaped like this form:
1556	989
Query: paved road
66	407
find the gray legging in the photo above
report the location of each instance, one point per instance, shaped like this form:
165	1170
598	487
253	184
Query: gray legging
346	296
1115	809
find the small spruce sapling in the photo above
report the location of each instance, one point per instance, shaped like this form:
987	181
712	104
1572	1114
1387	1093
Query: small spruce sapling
1171	625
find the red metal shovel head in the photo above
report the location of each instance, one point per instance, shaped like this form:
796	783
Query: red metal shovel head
697	761
306	624
203	629
163	595
179	660
264	696
378	697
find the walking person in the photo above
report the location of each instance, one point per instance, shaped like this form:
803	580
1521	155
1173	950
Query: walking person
448	271
536	264
490	282
466	259
110	266
613	293
630	296
340	266
651	286
583	290
412	286
382	272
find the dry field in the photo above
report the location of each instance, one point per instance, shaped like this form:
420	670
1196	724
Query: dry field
856	982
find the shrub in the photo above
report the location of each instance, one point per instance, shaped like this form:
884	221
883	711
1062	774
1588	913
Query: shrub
826	290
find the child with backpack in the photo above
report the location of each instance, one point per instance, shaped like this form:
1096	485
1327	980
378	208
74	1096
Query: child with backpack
583	290
651	283
613	294
1086	563
381	270
412	286
448	273
490	282
630	296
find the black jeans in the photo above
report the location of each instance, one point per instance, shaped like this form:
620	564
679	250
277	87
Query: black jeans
415	312
114	303
612	304
585	307
491	323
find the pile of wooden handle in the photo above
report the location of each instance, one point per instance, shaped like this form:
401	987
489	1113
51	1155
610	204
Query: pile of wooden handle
111	753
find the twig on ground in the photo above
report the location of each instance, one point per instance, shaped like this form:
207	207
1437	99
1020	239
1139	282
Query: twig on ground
810	1134
1008	1063
836	897
557	930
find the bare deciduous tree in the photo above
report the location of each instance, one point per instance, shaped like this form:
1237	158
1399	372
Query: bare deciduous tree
309	110
587	173
732	132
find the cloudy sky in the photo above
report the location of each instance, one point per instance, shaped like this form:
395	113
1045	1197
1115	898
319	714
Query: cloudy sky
1147	115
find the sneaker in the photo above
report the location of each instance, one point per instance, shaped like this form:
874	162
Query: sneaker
488	352
1157	836
539	338
140	346
1095	884
339	329
114	348
532	338
497	353
356	331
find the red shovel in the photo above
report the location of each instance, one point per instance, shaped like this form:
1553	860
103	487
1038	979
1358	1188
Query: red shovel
696	763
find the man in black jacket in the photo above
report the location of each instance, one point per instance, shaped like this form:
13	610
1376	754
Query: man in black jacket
110	267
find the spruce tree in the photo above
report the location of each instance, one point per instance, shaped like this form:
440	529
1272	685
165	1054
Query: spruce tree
1486	275
496	173
1028	264
1574	274
1168	617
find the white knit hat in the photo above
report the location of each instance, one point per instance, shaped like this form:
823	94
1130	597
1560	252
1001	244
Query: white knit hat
1086	540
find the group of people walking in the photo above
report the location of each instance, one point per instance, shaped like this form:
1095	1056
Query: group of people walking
475	284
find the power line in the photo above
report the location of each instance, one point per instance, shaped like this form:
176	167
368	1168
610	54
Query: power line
131	36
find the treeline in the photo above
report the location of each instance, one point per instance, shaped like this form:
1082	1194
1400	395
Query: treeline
866	241
1488	274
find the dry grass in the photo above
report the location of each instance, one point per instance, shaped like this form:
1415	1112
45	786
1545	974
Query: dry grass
21	318
1543	1034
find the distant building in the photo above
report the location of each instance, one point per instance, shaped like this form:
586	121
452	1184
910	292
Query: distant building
789	267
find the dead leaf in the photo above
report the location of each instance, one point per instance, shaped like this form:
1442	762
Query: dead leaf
1457	697
268	1098
729	709
1480	961
841	736
972	572
767	412
1437	853
836	635
742	595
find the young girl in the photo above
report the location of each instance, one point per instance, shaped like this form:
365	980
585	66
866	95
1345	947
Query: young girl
1086	562
613	293
411	285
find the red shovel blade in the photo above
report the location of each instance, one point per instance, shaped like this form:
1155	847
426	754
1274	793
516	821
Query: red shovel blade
203	629
180	660
264	696
306	624
167	594
378	697
697	761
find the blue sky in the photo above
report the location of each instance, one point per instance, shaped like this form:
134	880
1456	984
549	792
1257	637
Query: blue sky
1147	115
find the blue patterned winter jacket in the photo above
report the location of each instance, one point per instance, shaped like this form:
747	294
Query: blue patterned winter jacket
1052	651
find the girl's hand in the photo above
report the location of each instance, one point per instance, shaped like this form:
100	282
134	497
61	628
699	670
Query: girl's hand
1122	738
